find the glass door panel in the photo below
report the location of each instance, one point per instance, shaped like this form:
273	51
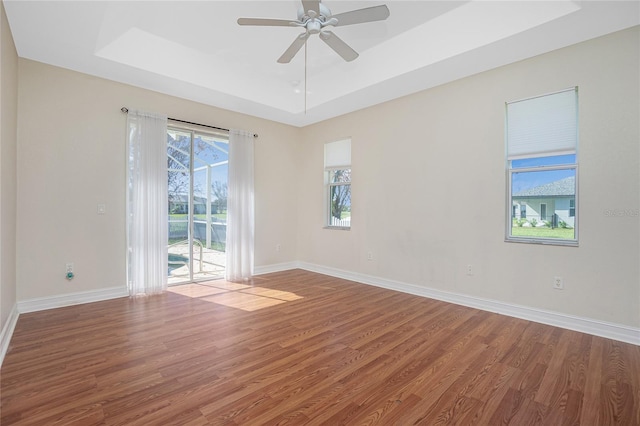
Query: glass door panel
210	170
197	192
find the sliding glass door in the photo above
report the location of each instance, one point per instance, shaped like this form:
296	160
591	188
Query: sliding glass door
197	192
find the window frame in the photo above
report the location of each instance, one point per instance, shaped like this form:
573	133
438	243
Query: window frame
510	171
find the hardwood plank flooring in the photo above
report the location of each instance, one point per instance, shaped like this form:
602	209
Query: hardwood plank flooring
301	348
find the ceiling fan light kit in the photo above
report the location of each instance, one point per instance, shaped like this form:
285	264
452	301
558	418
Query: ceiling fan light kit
314	17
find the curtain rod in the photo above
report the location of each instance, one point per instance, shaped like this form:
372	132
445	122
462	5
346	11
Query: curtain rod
126	111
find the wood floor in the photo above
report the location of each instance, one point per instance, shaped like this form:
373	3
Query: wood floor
302	348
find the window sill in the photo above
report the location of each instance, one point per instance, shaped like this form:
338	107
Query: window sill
338	228
542	241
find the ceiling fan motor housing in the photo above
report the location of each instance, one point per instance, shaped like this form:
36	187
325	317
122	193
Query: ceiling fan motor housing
314	26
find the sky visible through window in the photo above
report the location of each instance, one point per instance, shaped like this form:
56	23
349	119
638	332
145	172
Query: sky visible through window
209	155
204	154
524	181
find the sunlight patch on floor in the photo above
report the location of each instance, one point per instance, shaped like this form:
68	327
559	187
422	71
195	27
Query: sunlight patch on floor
235	295
246	302
275	294
196	290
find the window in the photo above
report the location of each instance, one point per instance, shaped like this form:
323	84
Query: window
337	169
542	168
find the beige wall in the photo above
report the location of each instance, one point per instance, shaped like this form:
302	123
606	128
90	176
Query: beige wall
71	156
8	142
429	187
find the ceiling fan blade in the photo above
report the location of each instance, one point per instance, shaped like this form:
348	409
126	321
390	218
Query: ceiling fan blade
311	5
266	22
288	54
360	16
340	47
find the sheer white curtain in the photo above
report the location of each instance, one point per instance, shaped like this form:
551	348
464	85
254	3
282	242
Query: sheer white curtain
147	217
240	210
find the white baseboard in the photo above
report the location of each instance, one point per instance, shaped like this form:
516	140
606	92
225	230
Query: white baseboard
69	299
7	332
613	331
278	267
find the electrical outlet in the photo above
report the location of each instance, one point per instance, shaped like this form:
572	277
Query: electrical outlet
369	256
278	247
558	283
69	268
469	269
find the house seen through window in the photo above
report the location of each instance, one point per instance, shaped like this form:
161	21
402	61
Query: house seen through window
542	168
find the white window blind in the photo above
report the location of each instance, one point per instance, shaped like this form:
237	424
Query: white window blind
543	125
337	154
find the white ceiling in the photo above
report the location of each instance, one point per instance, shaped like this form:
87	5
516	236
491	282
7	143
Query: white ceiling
196	50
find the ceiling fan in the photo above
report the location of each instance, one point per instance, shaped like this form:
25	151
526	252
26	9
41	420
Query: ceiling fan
314	17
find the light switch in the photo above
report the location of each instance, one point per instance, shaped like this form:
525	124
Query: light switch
102	208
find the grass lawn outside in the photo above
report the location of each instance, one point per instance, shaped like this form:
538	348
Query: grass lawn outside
543	232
